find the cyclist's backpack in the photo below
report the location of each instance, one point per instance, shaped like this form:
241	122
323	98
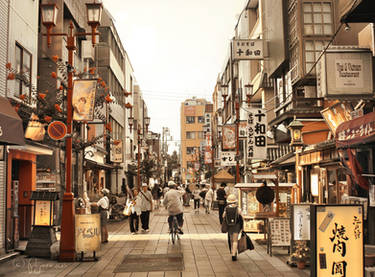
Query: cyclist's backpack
231	215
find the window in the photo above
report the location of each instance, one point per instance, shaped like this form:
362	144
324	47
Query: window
190	119
313	48
189	150
23	65
317	17
190	135
200	135
200	119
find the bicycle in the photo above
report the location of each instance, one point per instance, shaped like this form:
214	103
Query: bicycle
175	230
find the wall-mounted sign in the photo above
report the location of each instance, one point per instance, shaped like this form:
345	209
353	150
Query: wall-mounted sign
116	152
345	72
87	232
336	114
207	155
248	49
229	137
301	222
43	213
83	100
337	240
256	137
227	158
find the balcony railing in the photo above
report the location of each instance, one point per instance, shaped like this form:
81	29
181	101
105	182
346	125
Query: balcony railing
275	152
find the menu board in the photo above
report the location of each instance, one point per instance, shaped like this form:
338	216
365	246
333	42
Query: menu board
279	231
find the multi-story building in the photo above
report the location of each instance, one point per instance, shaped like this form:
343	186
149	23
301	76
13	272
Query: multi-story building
194	113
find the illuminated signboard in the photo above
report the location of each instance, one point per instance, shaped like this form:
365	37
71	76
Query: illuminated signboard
43	213
337	240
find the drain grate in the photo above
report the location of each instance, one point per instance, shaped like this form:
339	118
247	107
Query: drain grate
151	262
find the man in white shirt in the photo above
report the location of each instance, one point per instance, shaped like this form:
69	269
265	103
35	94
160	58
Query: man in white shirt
208	199
173	203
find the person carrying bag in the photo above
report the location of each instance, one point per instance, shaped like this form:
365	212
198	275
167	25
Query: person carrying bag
232	224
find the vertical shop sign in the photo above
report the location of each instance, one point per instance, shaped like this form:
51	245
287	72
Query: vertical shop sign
337	239
229	137
256	134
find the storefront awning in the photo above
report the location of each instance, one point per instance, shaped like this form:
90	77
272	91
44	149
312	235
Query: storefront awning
359	11
11	128
356	132
223	176
93	164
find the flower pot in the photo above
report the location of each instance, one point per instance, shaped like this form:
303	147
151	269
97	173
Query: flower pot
301	264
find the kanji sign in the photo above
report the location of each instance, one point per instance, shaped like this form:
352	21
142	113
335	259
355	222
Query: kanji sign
116	152
242	129
227	158
207	155
248	49
256	135
337	240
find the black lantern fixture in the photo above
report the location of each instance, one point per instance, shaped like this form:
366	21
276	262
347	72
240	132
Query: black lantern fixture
295	128
49	18
94	15
224	91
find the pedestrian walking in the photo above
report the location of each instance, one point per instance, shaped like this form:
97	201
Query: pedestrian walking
146	207
232	217
209	197
221	200
197	198
135	212
156	195
103	205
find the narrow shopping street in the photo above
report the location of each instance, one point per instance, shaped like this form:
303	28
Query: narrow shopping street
204	250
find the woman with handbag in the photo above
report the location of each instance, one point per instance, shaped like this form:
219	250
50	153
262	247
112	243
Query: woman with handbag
232	224
135	212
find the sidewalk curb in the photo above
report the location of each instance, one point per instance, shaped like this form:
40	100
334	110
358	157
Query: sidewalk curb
9	256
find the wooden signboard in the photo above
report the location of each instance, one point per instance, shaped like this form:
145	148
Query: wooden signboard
278	233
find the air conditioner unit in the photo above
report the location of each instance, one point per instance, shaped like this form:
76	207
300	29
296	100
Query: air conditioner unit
88	50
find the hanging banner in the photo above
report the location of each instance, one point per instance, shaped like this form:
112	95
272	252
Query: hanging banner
116	152
337	240
256	136
83	99
207	155
229	137
242	129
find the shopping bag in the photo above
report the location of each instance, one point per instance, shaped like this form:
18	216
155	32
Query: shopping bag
244	243
128	208
249	243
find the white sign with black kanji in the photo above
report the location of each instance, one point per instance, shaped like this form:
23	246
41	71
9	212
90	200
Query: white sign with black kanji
256	135
227	158
248	49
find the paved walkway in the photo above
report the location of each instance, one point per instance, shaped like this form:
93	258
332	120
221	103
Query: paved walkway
203	247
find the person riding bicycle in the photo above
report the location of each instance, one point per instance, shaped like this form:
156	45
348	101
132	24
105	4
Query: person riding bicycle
173	203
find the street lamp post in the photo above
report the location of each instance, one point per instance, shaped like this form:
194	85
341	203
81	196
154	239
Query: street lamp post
249	92
224	94
49	16
237	107
139	158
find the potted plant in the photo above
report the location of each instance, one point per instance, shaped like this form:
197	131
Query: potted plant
301	254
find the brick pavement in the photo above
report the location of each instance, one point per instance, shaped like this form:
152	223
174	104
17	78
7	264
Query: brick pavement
204	248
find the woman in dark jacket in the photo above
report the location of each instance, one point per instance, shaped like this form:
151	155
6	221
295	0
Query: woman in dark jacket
233	217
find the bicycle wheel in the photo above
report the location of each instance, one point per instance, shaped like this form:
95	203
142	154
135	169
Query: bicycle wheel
174	229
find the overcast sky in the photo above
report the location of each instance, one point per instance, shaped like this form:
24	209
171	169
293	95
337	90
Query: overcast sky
177	49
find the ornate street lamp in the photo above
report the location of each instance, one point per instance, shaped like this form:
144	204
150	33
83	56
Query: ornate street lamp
49	16
295	128
131	122
249	92
94	15
147	122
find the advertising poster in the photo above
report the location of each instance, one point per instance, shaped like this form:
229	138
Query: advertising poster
116	152
229	137
207	155
83	101
87	231
337	240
